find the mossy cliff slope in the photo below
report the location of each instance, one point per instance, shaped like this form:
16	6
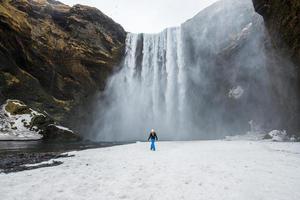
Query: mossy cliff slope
54	57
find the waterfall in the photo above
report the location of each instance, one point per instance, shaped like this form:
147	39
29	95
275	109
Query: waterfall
150	89
203	80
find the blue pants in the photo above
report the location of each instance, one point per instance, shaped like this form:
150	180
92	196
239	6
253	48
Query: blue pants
152	147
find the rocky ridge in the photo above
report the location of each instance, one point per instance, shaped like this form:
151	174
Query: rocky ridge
282	19
54	57
282	22
20	122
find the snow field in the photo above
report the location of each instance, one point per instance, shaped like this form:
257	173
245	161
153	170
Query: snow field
218	170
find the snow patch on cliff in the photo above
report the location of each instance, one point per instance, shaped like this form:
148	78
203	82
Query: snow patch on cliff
17	126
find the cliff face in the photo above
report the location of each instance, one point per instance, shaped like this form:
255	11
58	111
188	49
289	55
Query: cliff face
238	59
54	57
225	42
282	18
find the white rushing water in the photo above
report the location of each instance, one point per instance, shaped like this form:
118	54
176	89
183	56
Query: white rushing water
206	79
150	90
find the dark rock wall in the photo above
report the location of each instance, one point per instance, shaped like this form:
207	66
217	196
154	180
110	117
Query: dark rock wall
55	57
282	20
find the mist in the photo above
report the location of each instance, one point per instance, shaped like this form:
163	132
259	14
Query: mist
206	79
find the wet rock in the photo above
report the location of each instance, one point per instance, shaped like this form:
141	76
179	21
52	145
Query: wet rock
280	136
54	57
41	121
19	122
16	107
282	19
54	132
15	162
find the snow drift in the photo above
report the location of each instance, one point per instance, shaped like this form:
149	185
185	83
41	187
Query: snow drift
20	122
210	170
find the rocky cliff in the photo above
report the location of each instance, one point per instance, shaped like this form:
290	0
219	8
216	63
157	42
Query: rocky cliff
282	18
237	56
54	57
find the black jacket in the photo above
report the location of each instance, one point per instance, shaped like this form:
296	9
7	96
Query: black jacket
153	136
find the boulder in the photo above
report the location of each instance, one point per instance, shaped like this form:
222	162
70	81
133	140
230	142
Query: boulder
20	122
55	132
281	136
276	135
15	107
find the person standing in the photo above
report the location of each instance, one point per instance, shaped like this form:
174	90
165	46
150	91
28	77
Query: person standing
152	137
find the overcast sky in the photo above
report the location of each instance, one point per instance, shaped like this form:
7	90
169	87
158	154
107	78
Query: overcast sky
148	16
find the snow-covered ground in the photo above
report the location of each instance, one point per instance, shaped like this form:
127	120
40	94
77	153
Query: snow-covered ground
17	127
206	170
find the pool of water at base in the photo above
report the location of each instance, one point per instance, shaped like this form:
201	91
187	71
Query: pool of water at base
53	146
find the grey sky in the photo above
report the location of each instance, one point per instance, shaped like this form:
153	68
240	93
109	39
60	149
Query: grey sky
147	16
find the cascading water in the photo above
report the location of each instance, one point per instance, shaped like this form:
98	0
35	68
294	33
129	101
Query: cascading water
203	80
150	89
